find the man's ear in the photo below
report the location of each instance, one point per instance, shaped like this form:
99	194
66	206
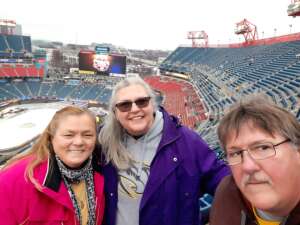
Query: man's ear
298	150
298	155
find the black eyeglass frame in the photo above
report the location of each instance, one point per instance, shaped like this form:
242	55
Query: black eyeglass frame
249	152
126	106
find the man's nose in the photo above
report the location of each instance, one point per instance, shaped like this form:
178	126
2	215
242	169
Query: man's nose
248	163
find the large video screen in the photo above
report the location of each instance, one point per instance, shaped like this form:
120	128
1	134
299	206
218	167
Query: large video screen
118	64
92	63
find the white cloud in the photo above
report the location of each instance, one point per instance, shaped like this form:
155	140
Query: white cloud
144	24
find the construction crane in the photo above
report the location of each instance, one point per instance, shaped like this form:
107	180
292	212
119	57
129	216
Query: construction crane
294	8
198	35
247	29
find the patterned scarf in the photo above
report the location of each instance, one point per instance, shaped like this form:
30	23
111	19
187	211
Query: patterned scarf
76	175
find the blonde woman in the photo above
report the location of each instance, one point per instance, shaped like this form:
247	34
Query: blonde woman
57	181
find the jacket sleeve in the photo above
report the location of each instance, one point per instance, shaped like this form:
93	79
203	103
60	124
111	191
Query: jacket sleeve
15	194
212	170
6	204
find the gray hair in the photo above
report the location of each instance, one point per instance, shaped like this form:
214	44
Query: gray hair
264	115
112	132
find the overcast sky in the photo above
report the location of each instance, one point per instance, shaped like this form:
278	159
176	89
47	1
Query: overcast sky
146	24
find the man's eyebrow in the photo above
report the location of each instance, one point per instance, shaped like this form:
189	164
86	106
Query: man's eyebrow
251	144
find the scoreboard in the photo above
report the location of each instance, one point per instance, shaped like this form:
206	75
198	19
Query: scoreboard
101	62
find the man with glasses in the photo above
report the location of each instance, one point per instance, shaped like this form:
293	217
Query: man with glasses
156	169
262	144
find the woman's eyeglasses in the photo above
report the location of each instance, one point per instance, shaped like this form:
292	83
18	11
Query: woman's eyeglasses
126	106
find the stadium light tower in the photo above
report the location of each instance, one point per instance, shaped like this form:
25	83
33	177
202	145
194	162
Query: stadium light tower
247	29
198	35
294	8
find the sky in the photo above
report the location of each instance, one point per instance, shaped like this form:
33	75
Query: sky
146	24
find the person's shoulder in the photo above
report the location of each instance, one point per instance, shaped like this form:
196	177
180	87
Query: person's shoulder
183	131
189	131
191	135
14	171
227	203
226	182
227	187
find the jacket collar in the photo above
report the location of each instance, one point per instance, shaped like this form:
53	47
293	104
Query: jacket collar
170	131
247	214
294	216
49	177
164	161
52	177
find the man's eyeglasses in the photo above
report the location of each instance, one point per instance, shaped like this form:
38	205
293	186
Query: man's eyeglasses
257	151
126	106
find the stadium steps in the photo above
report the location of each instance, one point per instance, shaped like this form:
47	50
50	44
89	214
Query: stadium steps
86	93
11	90
34	87
28	89
6	42
3	44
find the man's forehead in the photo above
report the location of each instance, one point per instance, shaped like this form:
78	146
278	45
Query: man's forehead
246	130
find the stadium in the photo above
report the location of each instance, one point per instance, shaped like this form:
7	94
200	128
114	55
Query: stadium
196	83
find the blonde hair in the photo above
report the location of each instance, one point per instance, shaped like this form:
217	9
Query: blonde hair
112	133
41	150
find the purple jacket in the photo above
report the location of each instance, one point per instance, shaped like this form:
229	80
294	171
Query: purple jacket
183	169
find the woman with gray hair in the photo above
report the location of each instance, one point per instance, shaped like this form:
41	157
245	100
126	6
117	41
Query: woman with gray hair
156	169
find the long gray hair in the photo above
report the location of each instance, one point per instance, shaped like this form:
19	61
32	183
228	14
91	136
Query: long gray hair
112	133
